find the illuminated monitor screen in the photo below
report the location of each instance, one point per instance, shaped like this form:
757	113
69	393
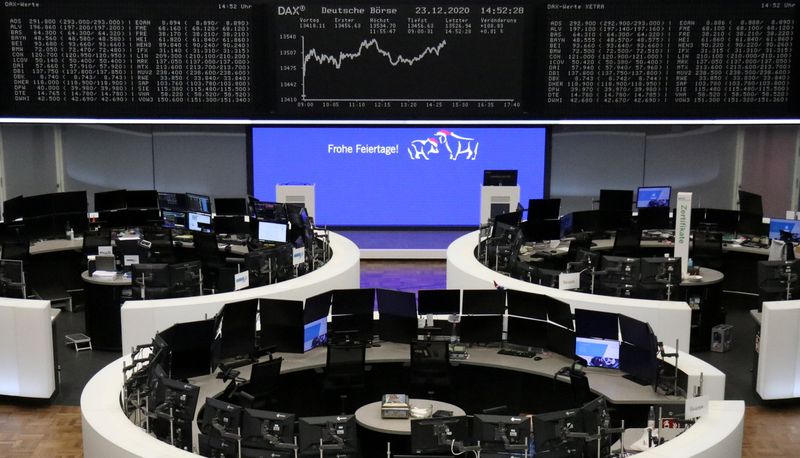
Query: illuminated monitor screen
271	232
174	219
598	352
654	196
788	225
199	221
426	173
315	334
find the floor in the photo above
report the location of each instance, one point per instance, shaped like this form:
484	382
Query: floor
771	429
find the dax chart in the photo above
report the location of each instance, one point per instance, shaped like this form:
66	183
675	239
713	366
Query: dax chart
398	59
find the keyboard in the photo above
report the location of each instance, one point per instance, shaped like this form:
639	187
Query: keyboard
520	353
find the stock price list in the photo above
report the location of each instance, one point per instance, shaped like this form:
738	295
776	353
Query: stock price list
399	60
724	59
127	59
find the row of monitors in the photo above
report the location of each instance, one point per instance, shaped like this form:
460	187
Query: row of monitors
610	200
161	280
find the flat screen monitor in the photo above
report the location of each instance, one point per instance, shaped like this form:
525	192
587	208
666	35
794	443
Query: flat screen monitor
397	303
317	307
598	352
561	340
190	348
524	304
200	222
375	165
352	301
539	209
218	447
173	218
150	275
558	312
272	232
549	434
337	434
109	200
483	301
268	211
635	332
172	201
179	400
436	435
640	364
526	332
231	206
654	218
439	301
281	325
620	269
500	177
220	415
661	270
231	225
653	196
750	203
787	225
237	332
70	202
541	230
315	334
501	433
615	200
267	430
13	209
592	323
41	205
722	220
778	280
198	203
481	329
142	199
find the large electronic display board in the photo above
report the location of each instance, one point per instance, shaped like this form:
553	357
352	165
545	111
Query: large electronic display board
400	59
396	176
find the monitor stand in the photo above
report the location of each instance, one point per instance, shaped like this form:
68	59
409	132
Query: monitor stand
638	380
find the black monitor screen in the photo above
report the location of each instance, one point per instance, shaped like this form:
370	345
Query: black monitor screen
488	301
268	211
231	225
615	200
13	209
436	435
267	430
550	434
722	220
590	323
481	329
561	340
281	325
641	364
317	307
238	330
70	202
541	230
558	312
620	269
109	200
661	270
500	177
396	303
352	301
172	201
142	199
336	433
439	301
497	432
654	218
653	196
635	332
40	205
232	206
198	203
750	204
544	209
190	348
527	333
219	415
530	305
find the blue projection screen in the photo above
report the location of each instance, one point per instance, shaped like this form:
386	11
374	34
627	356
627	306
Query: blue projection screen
396	176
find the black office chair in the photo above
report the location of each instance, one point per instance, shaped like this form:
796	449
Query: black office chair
161	247
707	249
627	242
582	242
430	367
345	370
580	388
211	258
94	239
257	392
16	249
787	238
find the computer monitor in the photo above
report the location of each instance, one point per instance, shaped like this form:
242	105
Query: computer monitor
336	434
198	203
501	433
512	219
558	312
352	301
231	206
267	430
525	332
481	329
141	199
500	177
539	209
525	304
540	230
272	232
660	271
70	202
592	323
177	400
615	200
185	278
439	301
437	435
635	332
561	340
550	434
653	196
483	301
778	280
750	203
595	414
173	219
172	201
598	352
787	225
281	325
12	279
41	205
109	200
218	447
654	218
620	269
398	315
722	220
13	209
200	222
189	348
236	330
315	319
150	281
231	225
639	364
220	418
268	211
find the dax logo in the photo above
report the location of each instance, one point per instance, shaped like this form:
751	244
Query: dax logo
291	10
454	144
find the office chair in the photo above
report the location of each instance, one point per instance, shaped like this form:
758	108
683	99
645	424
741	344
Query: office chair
161	248
94	239
211	258
627	242
578	247
580	388
16	249
344	370
707	249
430	366
787	238
257	392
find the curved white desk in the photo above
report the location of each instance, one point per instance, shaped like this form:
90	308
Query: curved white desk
27	364
670	320
142	319
107	432
369	416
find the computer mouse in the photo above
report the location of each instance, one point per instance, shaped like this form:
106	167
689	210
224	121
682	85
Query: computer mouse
537	358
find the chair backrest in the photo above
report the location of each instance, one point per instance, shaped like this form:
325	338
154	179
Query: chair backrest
16	249
707	244
205	245
582	241
263	378
580	388
160	238
627	242
429	356
345	361
92	240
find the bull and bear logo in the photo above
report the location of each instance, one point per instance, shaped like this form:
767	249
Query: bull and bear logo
454	144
